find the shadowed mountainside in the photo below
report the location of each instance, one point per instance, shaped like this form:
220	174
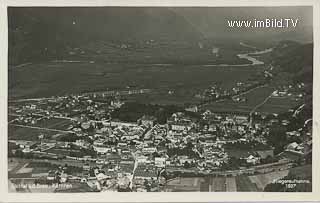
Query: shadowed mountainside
38	33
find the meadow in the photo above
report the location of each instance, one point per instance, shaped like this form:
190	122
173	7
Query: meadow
57	78
254	98
54	123
24	133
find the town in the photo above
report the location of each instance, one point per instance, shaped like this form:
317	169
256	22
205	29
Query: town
82	141
158	99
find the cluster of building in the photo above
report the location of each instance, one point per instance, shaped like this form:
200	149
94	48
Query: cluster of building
294	91
216	91
137	156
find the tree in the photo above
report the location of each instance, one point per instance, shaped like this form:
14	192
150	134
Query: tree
277	138
268	159
186	164
19	153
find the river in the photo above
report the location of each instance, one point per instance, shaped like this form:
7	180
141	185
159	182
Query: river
254	61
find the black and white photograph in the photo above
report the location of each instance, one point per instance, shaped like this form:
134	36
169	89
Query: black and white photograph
160	99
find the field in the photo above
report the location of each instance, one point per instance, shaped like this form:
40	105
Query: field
47	79
167	52
163	98
63	152
264	179
278	105
238	153
302	172
11	118
231	184
184	81
217	184
254	98
184	185
12	165
24	133
76	188
241	183
54	123
244	184
24	171
212	184
19	168
23	168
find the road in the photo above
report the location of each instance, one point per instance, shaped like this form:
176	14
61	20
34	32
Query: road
297	111
62	162
260	104
234	96
106	93
21	163
39	128
134	169
262	169
254	62
250	90
20	65
33	99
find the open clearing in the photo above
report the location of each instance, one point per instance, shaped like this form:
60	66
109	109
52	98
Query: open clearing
254	98
244	184
54	123
25	133
47	79
279	105
264	179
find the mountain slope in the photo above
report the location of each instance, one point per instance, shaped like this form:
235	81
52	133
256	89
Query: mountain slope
293	57
41	33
